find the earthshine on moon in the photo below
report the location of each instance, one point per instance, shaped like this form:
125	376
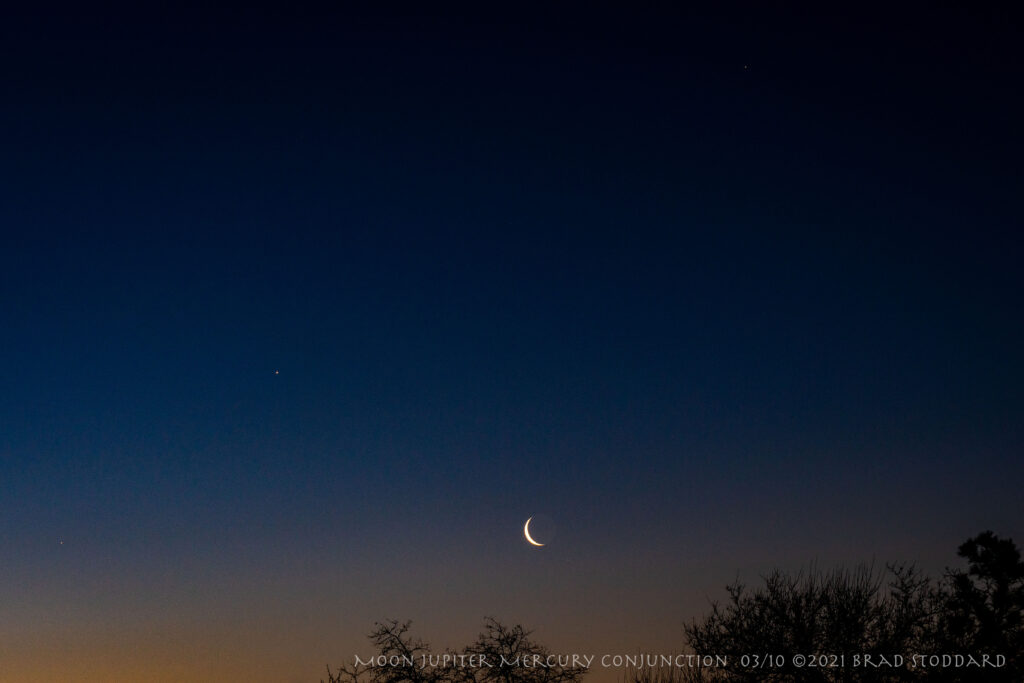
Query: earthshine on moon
526	532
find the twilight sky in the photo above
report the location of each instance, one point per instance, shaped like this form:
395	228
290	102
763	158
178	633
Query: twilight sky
303	313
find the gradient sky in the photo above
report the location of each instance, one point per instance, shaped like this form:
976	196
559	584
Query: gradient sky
303	313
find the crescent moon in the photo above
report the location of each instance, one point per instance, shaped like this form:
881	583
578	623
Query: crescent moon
526	532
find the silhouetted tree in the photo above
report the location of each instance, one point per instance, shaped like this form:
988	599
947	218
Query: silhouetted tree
984	606
508	648
399	659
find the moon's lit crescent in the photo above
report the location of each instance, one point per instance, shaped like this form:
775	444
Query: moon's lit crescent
526	532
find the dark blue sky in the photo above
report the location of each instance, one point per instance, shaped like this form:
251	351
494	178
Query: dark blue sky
304	312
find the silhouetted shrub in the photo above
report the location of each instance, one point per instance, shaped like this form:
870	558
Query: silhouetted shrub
889	616
762	633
